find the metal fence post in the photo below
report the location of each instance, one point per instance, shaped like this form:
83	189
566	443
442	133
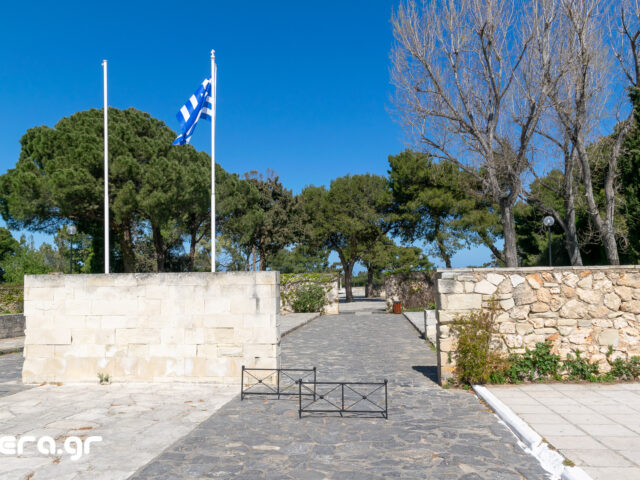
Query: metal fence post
242	384
386	405
315	380
300	398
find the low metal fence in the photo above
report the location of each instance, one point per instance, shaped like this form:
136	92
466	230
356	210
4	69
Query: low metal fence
276	382
361	399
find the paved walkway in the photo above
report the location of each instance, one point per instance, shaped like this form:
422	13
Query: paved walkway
136	423
430	433
595	426
293	321
11	374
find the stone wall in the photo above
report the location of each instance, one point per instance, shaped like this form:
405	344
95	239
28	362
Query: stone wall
414	290
11	326
576	308
290	283
150	327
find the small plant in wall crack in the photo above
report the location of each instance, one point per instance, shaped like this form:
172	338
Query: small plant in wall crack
104	378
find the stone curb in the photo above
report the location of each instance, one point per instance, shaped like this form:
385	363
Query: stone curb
284	334
548	458
423	334
5	351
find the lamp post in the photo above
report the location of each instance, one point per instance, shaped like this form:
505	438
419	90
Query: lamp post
548	222
71	230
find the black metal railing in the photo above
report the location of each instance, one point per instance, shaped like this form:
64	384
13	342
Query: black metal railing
274	381
362	399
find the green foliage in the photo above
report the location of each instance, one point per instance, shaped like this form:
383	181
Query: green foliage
540	364
629	168
27	260
308	298
579	368
350	218
159	193
300	259
438	203
266	217
624	369
537	364
11	299
475	360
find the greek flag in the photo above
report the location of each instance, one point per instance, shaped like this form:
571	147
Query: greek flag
198	106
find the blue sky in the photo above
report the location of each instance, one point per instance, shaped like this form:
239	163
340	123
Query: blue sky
303	87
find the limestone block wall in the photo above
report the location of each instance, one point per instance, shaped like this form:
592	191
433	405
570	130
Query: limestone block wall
576	308
11	325
196	327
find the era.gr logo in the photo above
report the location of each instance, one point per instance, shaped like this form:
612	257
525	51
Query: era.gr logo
10	445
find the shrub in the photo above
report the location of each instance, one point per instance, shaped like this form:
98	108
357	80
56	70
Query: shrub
309	298
579	368
537	364
475	362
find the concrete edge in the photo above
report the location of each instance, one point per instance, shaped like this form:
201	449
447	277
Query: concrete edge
550	460
423	335
7	351
307	322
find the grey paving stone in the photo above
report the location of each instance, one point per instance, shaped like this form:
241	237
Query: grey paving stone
430	433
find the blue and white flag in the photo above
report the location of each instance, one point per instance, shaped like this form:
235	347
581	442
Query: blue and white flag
197	107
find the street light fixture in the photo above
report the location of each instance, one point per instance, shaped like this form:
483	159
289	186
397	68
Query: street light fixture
548	222
71	230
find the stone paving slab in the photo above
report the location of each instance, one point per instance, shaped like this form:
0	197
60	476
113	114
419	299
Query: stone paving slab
595	426
136	422
431	433
11	345
293	321
11	374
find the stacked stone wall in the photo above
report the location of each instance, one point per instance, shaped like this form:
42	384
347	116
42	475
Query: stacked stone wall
590	309
192	327
414	290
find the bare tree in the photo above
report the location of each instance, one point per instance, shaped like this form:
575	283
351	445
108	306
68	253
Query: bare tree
576	102
472	80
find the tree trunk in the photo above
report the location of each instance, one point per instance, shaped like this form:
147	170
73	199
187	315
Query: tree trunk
444	255
369	290
160	248
126	248
348	272
192	249
509	233
569	224
604	227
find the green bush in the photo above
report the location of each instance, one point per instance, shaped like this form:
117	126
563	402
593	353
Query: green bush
579	368
308	298
538	364
475	361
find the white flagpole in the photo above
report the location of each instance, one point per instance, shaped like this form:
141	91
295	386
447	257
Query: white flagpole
213	159
106	173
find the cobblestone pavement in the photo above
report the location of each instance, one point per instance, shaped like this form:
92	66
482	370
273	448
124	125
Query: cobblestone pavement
431	433
11	374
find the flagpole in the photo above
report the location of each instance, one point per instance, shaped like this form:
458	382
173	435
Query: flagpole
106	172
213	159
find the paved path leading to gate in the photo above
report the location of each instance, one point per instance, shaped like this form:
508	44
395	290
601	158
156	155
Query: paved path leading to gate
431	433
